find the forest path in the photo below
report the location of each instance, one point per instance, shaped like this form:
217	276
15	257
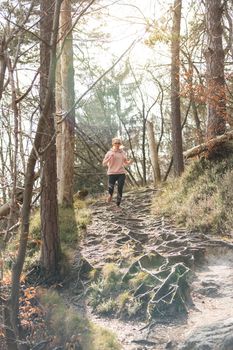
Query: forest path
113	236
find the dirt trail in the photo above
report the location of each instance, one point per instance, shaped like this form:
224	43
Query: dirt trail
110	238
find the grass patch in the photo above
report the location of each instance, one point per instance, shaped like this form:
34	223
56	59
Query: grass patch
107	307
141	277
83	217
109	295
102	292
71	223
68	226
104	340
68	328
202	198
111	274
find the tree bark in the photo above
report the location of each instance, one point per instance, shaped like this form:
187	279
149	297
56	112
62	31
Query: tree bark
58	125
11	340
216	99
66	138
175	91
50	250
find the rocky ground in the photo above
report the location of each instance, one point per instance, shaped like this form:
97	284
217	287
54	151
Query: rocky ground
207	322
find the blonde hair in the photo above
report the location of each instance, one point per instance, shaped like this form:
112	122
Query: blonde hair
116	139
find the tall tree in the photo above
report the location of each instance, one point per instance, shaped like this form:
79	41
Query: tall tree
11	311
65	139
50	252
175	91
216	99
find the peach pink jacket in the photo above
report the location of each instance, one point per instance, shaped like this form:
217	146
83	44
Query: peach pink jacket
115	160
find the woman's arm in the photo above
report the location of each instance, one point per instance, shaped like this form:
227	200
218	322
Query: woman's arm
107	158
127	161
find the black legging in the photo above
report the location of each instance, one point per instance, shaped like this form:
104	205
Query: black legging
120	178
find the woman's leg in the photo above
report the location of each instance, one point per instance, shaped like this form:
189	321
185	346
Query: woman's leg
111	183
121	182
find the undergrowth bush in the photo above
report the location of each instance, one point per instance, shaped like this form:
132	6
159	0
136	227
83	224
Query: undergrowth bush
201	199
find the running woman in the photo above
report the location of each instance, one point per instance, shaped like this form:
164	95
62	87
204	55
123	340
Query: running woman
115	160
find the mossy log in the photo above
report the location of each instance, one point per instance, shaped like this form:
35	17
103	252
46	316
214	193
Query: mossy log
209	145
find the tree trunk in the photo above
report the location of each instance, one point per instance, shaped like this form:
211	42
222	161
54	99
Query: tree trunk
2	64
29	181
11	340
154	153
144	146
58	122
13	205
66	138
216	101
175	91
50	250
3	165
